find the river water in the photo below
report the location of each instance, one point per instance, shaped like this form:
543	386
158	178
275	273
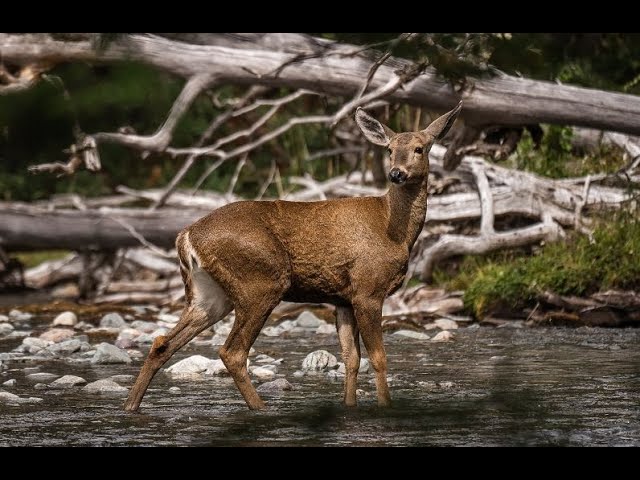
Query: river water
491	386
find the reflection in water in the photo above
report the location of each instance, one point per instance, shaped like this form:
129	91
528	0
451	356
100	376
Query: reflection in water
492	386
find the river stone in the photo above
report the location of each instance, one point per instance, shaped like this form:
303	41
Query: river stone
18	316
68	347
272	331
57	335
364	366
113	320
175	390
168	318
4	318
104	386
446	324
217	368
66	319
412	334
145	327
275	386
308	320
6	397
68	381
10	383
262	373
326	329
41	377
107	353
5	329
193	365
319	361
443	336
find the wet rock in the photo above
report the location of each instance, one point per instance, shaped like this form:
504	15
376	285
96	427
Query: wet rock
298	373
175	390
123	379
57	335
10	398
33	345
70	290
262	373
308	320
218	339
433	386
412	334
18	316
68	381
145	327
168	318
66	319
41	377
68	347
4	319
104	386
446	324
326	329
217	368
444	336
107	353
272	331
113	320
474	326
194	365
288	325
40	386
5	329
361	393
126	338
272	367
148	338
319	361
364	366
134	354
262	358
334	375
275	386
10	383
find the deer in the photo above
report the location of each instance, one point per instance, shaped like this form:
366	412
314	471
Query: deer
349	252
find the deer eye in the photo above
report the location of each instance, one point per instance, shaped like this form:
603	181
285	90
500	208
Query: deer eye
390	151
418	149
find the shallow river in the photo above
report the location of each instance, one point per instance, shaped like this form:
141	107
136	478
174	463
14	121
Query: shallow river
491	386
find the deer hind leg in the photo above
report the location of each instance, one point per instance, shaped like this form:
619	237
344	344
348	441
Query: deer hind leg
349	337
368	313
207	304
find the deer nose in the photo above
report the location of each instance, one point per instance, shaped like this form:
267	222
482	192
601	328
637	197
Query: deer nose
397	176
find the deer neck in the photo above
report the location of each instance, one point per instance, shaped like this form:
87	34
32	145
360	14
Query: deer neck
406	208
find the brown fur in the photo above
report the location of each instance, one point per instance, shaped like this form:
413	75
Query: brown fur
351	252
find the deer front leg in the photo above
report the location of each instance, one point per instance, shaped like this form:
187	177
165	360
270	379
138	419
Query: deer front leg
368	313
350	345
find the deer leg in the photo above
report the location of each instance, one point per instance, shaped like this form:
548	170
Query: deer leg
235	351
350	345
368	315
208	304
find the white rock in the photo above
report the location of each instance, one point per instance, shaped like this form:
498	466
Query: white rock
412	334
41	377
326	329
5	329
272	331
68	381
57	335
364	366
104	386
19	316
168	318
145	327
444	336
275	386
6	397
36	342
335	375
287	325
68	347
175	390
10	383
66	319
218	339
319	361
4	318
308	320
107	353
262	373
113	320
446	324
194	365
123	379
217	368
262	358
298	373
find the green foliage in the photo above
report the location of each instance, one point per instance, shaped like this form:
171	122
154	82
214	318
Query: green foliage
33	259
579	266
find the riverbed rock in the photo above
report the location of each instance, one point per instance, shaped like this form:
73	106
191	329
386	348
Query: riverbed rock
412	334
67	381
145	327
104	386
5	329
107	353
191	366
326	329
33	345
10	383
319	361
444	336
446	324
66	319
57	335
68	347
41	377
275	386
272	331
127	338
10	398
3	318
308	320
263	373
148	338
175	390
18	316
168	318
123	379
113	320
364	366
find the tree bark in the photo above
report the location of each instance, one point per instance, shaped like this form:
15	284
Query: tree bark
335	69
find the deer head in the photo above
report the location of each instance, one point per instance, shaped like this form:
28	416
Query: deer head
408	151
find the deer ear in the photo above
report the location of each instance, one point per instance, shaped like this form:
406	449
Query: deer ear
375	131
441	125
